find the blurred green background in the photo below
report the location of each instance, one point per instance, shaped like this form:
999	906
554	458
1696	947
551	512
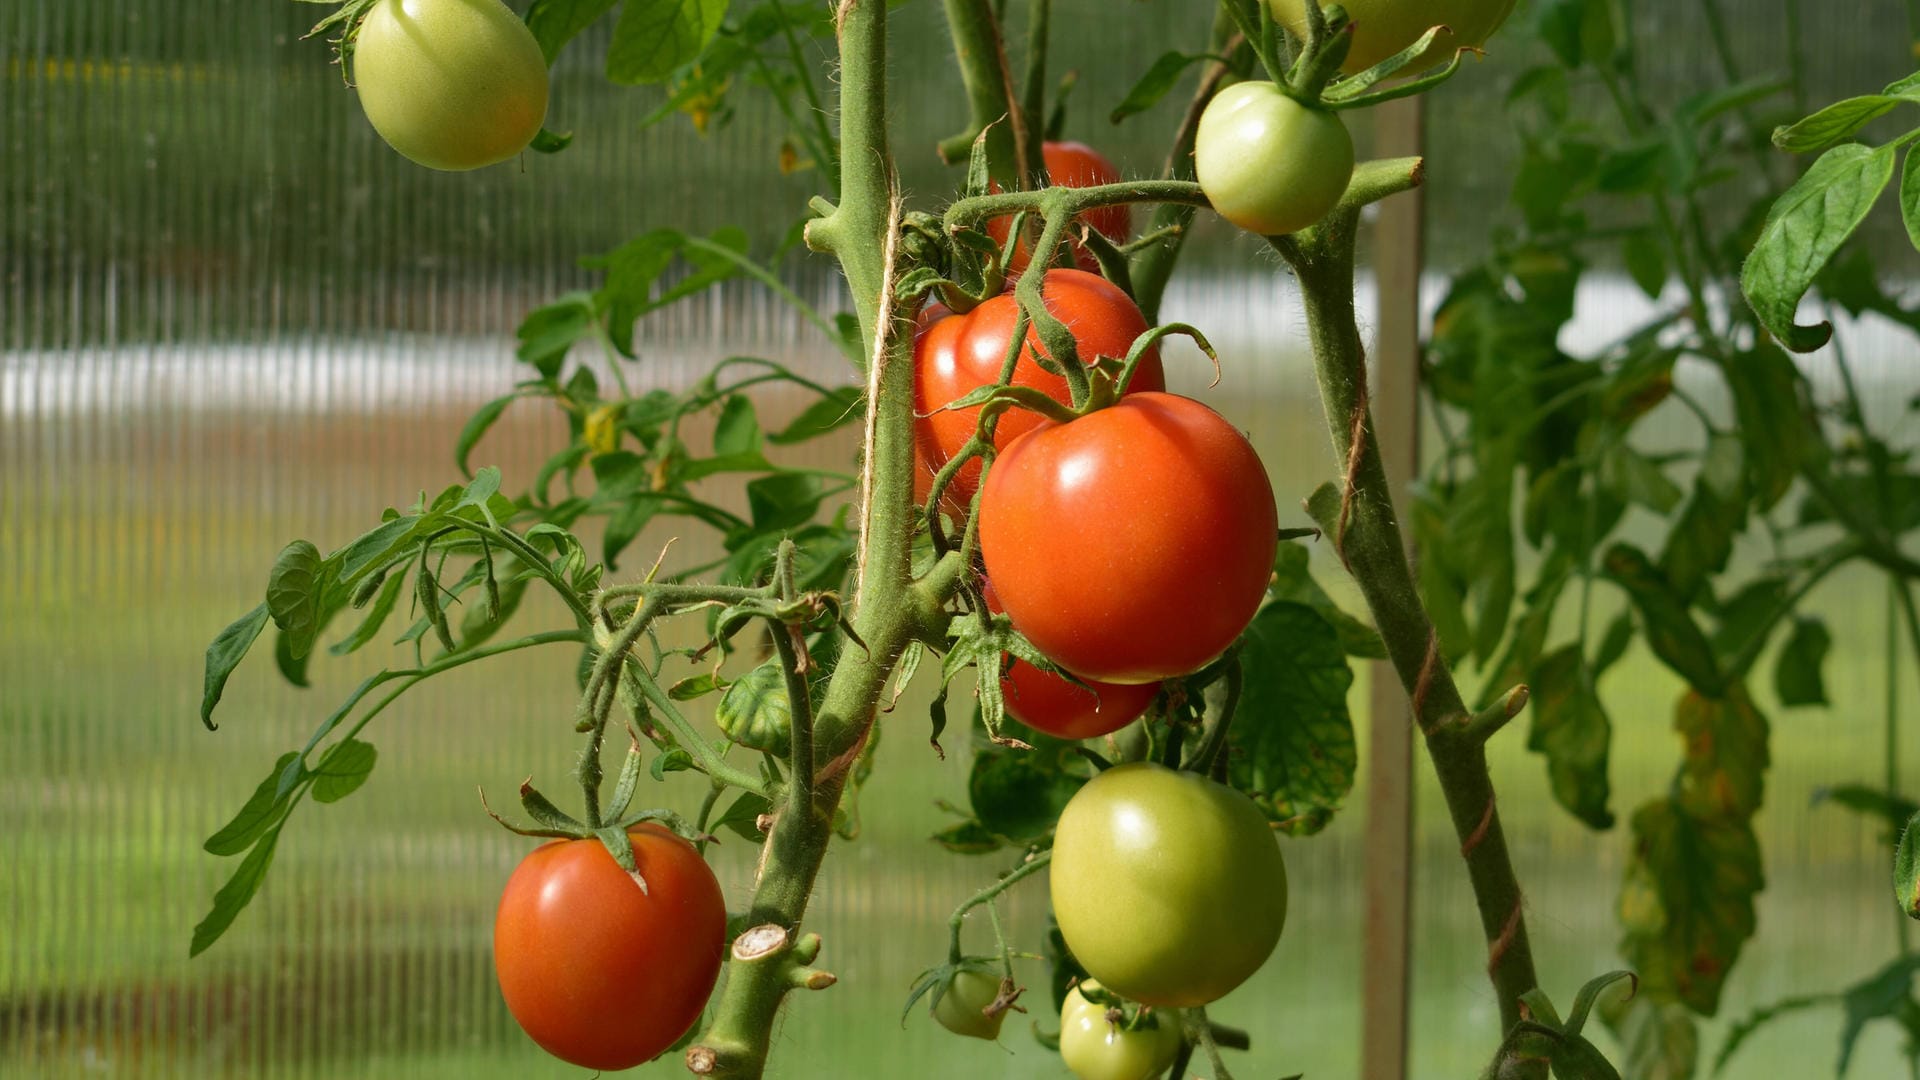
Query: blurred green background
230	316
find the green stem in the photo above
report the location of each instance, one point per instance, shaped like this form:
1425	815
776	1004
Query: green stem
982	55
804	72
1072	201
1007	881
889	608
1216	739
1033	99
1829	561
765	277
1375	553
1903	595
1152	266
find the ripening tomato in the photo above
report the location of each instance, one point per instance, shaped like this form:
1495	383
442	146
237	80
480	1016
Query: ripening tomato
962	1009
1134	543
451	84
1096	1048
1047	702
1072	164
1268	163
599	972
955	354
1168	887
1384	27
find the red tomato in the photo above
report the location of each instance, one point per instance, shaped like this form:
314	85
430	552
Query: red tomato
1073	164
599	973
1134	543
955	354
1046	702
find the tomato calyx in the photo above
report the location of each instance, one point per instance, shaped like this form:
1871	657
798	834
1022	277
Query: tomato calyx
983	641
1106	378
551	822
936	983
346	18
1121	1013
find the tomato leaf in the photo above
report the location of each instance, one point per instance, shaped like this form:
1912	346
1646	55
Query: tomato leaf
1892	810
1796	674
1803	230
547	334
1887	994
1293	582
1724	769
292	668
653	37
476	427
743	817
224	654
556	22
830	412
1154	85
1834	124
1570	727
1292	739
1671	631
1701	539
341	771
1687	902
1658	1038
1767	397
264	807
294	594
968	837
755	712
237	893
1018	794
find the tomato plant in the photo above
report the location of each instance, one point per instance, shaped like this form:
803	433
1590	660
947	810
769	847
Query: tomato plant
1102	1044
1270	164
962	1007
1385	27
1073	164
1135	542
599	969
1169	887
956	354
451	84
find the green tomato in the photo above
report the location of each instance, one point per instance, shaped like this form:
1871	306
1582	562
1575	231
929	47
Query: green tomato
1268	163
1096	1048
1168	888
962	1009
1384	27
451	84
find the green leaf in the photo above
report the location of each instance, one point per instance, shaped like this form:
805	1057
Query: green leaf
653	37
1687	902
1803	230
264	807
1292	739
1892	810
1834	124
556	22
342	770
828	413
1739	1032
292	668
1910	196
623	787
1570	727
376	547
1906	869
1292	581
744	815
476	426
237	893
547	334
755	712
1634	477
738	429
1701	541
783	501
1659	1040
967	838
1154	85
1796	674
1724	767
546	141
1886	995
1671	632
1646	261
224	654
295	597
1018	794
1767	398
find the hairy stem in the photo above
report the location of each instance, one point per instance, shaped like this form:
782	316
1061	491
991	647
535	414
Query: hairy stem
1371	546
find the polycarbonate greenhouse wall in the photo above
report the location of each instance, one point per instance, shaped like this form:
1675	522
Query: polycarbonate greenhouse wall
231	317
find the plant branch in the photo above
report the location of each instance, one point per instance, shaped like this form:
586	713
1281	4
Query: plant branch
1033	865
1371	545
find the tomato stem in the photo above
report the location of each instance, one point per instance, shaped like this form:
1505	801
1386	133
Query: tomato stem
1033	864
1371	545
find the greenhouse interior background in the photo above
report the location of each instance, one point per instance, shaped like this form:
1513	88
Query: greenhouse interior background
230	316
